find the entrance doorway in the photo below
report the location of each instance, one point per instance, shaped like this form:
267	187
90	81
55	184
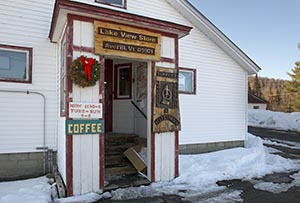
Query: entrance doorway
126	124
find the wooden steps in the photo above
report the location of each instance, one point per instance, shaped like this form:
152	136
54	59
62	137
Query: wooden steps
116	164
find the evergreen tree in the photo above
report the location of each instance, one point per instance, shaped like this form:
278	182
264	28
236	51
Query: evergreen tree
293	87
257	87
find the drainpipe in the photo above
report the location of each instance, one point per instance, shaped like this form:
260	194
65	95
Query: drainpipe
44	148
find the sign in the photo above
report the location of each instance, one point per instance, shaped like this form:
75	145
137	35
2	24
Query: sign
121	40
166	116
85	110
82	127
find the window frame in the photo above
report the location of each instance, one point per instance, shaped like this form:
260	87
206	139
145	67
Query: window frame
194	83
28	51
116	88
114	5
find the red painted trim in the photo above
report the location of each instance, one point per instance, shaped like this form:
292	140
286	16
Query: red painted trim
152	133
82	18
18	48
113	5
176	132
176	154
101	137
116	16
83	49
69	138
116	80
69	164
168	60
194	81
69	53
102	162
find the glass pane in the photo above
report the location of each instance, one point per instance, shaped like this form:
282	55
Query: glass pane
115	2
186	81
124	82
13	65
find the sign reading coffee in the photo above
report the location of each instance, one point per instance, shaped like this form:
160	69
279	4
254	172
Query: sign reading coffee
120	40
166	116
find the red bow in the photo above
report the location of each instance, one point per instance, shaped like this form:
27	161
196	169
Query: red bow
87	65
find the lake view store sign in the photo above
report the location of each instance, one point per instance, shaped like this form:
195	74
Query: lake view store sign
152	44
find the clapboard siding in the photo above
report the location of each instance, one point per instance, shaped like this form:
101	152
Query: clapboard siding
218	110
221	83
27	23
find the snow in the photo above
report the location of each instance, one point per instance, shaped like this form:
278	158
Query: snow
198	173
275	120
35	190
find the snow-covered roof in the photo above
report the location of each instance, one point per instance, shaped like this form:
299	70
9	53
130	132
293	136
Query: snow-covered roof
207	27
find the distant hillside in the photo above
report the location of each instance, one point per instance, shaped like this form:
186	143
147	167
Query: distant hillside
273	90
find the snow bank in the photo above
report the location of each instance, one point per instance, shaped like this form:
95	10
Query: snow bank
276	120
35	190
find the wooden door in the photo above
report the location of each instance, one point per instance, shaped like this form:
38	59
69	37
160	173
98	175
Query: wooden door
108	94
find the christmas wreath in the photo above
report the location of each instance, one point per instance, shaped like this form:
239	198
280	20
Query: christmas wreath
84	71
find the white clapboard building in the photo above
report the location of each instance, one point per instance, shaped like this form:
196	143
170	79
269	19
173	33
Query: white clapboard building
83	81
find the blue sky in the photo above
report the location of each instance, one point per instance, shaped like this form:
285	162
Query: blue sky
268	31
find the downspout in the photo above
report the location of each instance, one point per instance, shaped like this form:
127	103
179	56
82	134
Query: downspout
44	148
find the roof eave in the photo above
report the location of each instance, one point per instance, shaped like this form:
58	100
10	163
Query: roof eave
200	21
63	7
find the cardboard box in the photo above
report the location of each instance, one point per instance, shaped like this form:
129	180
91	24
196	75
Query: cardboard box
135	159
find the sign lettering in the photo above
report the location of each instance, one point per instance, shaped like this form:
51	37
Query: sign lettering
166	116
121	40
81	127
85	110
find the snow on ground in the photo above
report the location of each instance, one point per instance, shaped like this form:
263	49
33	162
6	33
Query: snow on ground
198	176
199	173
35	190
276	120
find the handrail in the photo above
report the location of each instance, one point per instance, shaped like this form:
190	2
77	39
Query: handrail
132	102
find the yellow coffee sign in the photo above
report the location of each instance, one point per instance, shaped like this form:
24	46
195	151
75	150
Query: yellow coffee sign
120	40
75	127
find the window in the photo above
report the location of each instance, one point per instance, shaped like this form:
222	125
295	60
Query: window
187	81
255	107
123	73
118	3
15	64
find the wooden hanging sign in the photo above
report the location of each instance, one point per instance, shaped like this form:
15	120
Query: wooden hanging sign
121	40
166	116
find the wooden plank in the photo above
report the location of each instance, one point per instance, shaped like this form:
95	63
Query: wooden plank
76	165
86	163
157	157
172	155
77	33
120	40
95	163
87	34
